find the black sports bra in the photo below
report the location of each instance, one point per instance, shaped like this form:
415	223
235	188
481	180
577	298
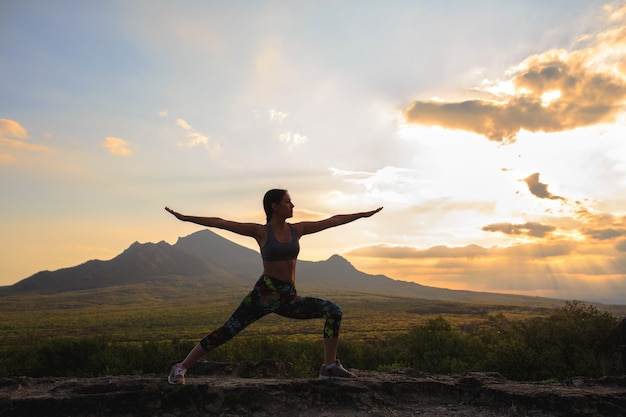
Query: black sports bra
273	250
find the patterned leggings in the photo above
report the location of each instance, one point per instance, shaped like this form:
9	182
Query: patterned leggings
271	295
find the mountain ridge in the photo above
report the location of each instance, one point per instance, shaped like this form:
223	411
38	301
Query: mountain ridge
218	261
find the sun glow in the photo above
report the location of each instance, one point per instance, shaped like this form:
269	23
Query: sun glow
549	97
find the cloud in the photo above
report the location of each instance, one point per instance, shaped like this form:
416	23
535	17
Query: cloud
6	158
391	184
290	138
11	128
406	252
615	14
183	124
605	234
194	139
468	252
276	115
18	144
560	270
603	226
553	91
539	189
528	229
582	252
117	146
12	137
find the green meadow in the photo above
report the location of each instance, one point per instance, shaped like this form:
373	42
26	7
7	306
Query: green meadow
137	329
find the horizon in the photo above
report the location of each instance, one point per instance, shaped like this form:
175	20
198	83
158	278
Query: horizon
493	135
607	302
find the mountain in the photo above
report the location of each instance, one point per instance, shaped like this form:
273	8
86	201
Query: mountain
139	263
218	262
222	253
338	273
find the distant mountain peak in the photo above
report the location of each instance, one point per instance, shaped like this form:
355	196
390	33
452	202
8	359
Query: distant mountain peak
217	261
340	263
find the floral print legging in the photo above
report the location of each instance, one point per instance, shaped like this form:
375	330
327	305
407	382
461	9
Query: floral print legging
271	295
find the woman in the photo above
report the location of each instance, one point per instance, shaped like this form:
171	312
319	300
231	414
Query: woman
275	291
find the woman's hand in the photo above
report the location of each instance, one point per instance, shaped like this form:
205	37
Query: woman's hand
371	213
178	215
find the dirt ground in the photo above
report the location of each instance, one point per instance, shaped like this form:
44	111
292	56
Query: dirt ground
400	393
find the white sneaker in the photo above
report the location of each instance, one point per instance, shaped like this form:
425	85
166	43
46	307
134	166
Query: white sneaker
337	372
177	375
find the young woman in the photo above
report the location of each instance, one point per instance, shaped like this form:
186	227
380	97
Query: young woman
275	291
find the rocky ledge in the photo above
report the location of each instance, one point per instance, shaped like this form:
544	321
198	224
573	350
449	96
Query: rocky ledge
266	389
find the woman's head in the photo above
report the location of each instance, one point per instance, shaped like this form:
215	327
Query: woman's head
273	196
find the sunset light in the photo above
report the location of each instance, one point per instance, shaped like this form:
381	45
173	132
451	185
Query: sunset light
498	149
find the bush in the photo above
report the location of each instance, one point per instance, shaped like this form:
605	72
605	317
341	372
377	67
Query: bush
305	356
434	347
92	356
562	345
71	357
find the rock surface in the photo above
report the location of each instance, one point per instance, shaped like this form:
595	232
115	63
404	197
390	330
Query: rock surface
265	389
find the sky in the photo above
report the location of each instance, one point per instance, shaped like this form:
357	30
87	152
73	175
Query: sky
493	133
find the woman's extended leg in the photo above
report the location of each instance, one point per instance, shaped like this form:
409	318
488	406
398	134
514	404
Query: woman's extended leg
330	350
258	303
194	356
294	306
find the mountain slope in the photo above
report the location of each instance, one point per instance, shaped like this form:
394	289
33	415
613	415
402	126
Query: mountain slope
215	261
222	253
336	272
138	263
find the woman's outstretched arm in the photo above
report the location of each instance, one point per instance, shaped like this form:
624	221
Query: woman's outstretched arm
306	228
246	229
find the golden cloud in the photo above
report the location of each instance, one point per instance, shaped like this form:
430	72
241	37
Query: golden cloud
583	252
117	146
529	229
605	234
539	189
18	144
547	268
195	139
11	128
552	91
407	252
604	226
12	135
528	250
6	158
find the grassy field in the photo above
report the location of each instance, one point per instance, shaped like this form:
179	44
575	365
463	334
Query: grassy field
143	313
136	315
141	328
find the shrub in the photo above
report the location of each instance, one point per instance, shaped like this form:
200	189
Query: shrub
434	347
564	344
